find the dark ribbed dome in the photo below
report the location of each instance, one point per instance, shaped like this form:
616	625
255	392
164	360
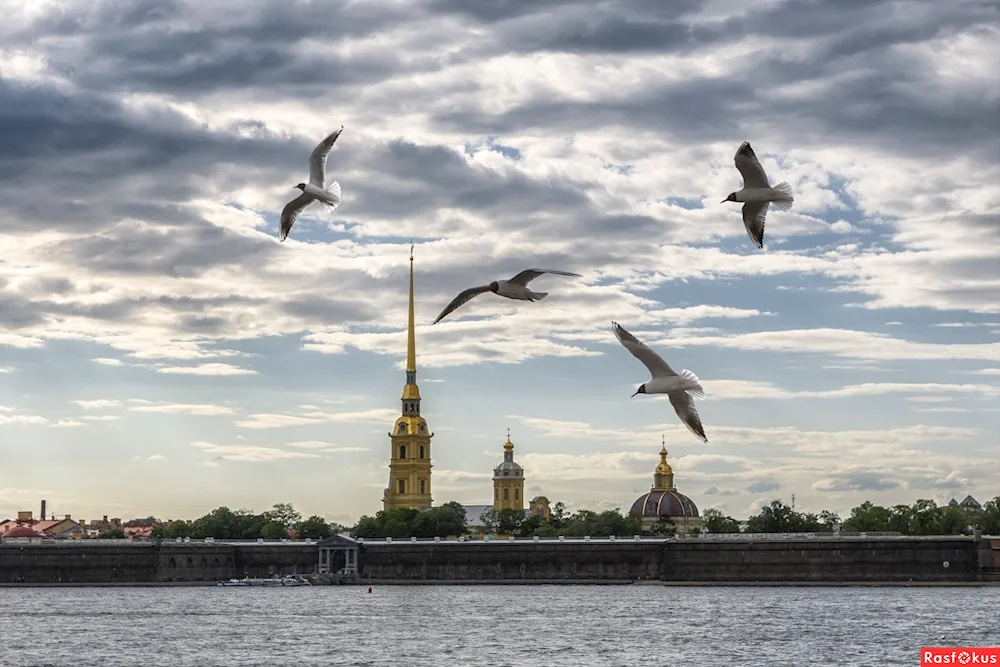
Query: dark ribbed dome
664	503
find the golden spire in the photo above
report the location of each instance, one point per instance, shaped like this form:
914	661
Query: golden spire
411	344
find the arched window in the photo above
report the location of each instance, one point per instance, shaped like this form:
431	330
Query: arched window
422	428
421	451
517	494
402	486
506	494
402	428
402	451
423	488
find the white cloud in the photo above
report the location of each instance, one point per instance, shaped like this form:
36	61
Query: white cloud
184	408
156	457
105	361
6	420
267	420
250	453
99	404
207	369
67	423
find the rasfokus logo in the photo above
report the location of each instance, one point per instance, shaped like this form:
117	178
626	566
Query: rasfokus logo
964	655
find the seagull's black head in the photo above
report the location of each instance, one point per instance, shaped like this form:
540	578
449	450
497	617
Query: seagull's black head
731	197
301	186
494	287
640	390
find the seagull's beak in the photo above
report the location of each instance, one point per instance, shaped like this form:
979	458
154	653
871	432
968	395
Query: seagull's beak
633	395
723	201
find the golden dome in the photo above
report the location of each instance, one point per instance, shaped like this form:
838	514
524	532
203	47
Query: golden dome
663	468
508	446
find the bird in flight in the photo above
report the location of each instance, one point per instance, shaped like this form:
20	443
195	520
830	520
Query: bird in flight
316	189
681	388
757	194
515	288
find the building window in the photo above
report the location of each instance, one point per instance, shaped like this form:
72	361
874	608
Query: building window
402	451
402	428
506	472
422	428
517	494
423	488
506	494
421	451
402	486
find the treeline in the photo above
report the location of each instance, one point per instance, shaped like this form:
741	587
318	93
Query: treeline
279	522
448	520
924	517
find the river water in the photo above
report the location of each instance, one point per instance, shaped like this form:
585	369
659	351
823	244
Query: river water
547	626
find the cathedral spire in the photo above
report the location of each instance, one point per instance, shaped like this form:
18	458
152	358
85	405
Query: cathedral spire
411	339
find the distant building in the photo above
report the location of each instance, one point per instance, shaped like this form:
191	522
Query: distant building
664	501
969	504
63	529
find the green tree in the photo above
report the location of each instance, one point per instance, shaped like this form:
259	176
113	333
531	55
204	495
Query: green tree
989	519
665	527
284	514
509	521
717	522
774	518
273	530
367	527
924	517
396	528
558	514
313	528
829	520
111	534
177	529
158	532
952	521
490	518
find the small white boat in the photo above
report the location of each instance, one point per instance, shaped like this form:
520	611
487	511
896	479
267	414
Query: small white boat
287	580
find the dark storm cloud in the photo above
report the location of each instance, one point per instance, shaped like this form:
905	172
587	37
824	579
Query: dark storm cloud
321	310
176	252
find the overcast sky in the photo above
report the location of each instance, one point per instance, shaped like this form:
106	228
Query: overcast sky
161	353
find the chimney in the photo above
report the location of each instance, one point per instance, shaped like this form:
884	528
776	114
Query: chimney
67	517
43	509
116	522
105	518
23	515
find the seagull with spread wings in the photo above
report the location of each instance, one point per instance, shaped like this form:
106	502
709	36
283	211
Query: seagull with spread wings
681	388
515	288
316	189
757	194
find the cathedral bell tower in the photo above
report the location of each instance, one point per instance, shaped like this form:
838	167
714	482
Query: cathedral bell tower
410	458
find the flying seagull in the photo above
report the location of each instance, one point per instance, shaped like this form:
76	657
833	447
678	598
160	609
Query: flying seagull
681	388
316	190
515	288
757	194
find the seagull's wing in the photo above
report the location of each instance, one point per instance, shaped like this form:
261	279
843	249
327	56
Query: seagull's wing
654	362
461	300
754	214
753	173
291	212
526	276
684	407
317	160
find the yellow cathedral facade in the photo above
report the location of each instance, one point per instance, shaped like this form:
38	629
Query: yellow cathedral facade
410	440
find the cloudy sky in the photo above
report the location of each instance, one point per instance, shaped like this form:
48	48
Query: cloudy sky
161	353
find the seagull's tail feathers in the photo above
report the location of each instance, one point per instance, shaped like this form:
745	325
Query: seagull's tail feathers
333	198
691	384
538	296
783	194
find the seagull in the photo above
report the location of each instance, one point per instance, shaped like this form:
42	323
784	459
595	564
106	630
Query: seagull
757	193
316	190
680	388
515	288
